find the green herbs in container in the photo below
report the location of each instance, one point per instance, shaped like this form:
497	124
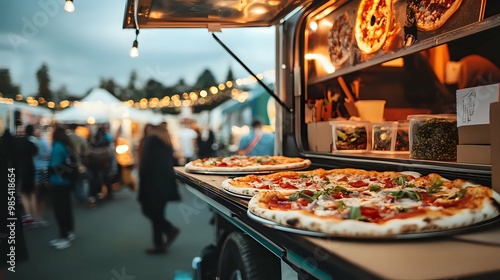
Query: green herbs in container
433	137
351	136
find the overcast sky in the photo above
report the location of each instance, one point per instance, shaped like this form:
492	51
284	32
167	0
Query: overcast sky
82	47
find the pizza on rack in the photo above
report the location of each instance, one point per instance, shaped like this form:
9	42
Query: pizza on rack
340	40
244	163
373	21
432	14
370	204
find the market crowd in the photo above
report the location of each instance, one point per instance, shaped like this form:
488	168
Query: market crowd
58	165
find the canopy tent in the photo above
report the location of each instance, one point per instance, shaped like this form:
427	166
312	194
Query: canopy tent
102	106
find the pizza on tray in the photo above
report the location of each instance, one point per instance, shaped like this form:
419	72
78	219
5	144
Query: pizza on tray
244	163
432	14
358	203
373	21
340	40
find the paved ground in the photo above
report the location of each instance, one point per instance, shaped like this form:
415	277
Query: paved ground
110	243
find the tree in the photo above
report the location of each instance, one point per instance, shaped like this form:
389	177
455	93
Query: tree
230	75
61	94
110	86
205	80
42	75
153	88
130	92
7	89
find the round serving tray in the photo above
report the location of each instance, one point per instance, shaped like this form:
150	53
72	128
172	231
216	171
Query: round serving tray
419	235
236	194
234	173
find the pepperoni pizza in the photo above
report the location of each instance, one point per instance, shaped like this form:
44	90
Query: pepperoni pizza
358	203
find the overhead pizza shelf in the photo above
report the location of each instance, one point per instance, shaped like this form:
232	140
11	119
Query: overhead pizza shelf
468	19
485	25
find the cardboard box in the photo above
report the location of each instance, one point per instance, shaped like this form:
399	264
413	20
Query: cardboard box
495	145
473	118
319	136
474	134
477	154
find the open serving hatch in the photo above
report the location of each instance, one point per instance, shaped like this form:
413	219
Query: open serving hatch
211	14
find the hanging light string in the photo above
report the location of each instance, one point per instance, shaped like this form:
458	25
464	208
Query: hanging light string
134	52
199	97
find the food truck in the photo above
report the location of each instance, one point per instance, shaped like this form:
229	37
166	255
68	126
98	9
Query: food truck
354	81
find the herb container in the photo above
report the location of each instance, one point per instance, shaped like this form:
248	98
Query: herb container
390	137
351	136
433	137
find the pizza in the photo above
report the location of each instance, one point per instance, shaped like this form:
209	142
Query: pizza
290	181
377	204
373	20
340	40
432	14
245	163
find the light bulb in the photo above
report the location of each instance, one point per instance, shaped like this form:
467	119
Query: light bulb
69	7
134	52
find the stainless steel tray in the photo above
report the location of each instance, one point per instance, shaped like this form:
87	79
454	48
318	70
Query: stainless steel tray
236	194
419	235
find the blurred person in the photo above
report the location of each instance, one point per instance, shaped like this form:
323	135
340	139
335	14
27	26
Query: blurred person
82	151
145	132
187	140
8	163
205	142
41	159
26	150
62	186
99	164
157	186
257	143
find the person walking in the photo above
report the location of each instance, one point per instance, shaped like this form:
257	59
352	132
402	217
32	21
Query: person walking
157	186
99	163
205	143
11	219
26	150
257	143
187	141
41	175
82	151
62	178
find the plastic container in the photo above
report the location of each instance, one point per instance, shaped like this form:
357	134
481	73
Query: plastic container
351	136
390	137
433	137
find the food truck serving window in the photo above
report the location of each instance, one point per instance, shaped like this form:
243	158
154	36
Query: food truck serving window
211	14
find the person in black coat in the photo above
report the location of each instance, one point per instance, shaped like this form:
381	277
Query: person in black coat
157	186
10	217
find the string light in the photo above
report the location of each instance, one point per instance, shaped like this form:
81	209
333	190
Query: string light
212	94
134	52
69	7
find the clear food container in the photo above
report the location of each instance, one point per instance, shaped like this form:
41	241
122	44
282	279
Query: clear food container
433	137
351	136
390	137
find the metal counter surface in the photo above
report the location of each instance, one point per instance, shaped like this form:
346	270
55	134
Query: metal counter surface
470	254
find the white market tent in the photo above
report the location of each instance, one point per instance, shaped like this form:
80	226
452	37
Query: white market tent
103	107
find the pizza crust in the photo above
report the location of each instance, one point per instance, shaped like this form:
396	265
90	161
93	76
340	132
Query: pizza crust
428	222
304	163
